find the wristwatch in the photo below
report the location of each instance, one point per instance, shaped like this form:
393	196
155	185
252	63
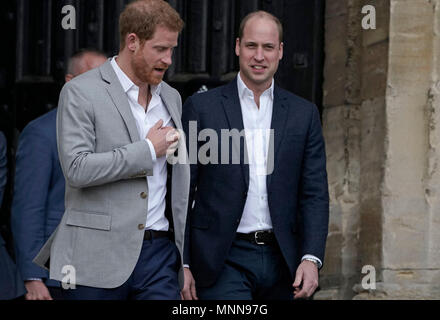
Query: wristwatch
314	261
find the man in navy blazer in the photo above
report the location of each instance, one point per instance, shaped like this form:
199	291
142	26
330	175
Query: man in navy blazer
38	201
251	235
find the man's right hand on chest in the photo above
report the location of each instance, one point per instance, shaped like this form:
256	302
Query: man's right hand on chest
162	138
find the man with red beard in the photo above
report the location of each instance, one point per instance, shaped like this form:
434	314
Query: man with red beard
121	236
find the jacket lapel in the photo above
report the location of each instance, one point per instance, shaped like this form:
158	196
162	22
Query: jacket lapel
119	98
279	116
168	98
231	105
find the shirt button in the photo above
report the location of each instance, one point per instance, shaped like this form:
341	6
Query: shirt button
143	195
141	226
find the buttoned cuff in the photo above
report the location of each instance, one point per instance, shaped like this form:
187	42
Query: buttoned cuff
186	266
152	151
310	256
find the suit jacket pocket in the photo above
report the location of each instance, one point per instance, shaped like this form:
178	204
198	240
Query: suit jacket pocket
88	220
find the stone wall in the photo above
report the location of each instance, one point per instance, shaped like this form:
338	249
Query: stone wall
341	125
381	125
411	210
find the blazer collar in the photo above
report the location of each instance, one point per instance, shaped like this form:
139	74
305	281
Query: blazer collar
169	98
119	97
278	124
231	104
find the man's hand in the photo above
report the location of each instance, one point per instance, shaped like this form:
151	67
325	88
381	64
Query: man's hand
158	137
189	286
173	137
36	290
307	275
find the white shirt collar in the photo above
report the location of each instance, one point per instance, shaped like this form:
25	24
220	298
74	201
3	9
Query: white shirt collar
244	90
127	84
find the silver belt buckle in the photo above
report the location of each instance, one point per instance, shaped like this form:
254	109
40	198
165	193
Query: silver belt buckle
255	237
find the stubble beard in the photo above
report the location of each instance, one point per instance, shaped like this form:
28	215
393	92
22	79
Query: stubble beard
144	72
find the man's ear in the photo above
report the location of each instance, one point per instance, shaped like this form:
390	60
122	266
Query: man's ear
68	77
237	46
281	50
132	42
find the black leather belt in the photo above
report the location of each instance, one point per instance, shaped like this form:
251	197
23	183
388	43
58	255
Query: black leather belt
258	237
152	234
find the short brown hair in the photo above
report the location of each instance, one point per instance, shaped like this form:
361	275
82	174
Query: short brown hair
142	16
261	14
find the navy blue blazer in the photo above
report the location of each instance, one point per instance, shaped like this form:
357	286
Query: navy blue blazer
38	201
297	188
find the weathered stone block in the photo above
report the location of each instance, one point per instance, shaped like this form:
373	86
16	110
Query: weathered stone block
374	70
335	63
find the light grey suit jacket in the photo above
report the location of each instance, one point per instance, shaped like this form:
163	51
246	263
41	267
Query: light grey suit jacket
105	165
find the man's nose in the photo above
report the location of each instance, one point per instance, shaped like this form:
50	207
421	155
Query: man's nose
168	58
259	54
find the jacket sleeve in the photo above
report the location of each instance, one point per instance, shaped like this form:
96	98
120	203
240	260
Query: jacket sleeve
314	199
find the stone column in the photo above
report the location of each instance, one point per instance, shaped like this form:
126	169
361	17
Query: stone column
354	128
409	211
341	127
410	191
381	123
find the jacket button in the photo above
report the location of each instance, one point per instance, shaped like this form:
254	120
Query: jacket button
141	226
143	195
245	194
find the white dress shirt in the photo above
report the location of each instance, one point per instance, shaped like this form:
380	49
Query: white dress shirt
257	125
156	110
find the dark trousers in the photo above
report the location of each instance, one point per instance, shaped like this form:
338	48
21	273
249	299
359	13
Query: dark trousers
251	272
154	277
56	292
